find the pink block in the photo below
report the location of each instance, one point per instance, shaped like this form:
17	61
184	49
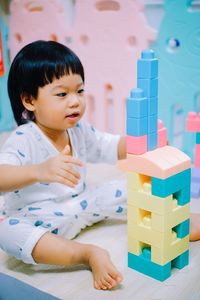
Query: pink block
162	134
197	156
193	122
136	144
161	162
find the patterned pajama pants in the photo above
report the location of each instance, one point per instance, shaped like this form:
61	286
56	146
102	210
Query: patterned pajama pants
20	231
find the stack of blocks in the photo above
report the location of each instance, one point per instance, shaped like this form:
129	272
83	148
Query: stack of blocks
193	125
158	183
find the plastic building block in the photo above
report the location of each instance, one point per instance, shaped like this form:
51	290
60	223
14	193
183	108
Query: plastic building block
193	122
162	134
198	138
137	106
149	86
197	156
147	66
155	222
136	144
172	184
183	229
181	261
161	256
136	181
158	184
136	126
145	200
152	106
161	163
152	141
152	124
145	266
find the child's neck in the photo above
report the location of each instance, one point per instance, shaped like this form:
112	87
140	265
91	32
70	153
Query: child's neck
57	137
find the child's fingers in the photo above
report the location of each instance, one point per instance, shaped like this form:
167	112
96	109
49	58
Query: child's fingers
68	178
71	160
69	170
65	181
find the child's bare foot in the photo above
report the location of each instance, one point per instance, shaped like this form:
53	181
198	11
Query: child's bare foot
105	275
194	227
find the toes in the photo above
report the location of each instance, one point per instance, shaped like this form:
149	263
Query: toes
96	285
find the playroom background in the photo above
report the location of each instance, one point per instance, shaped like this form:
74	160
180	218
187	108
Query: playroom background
109	36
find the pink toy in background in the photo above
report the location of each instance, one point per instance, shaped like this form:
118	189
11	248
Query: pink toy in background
1	219
108	36
37	19
193	125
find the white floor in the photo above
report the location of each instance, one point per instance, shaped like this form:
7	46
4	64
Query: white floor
76	283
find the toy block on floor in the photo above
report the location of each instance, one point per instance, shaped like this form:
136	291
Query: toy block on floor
193	125
158	183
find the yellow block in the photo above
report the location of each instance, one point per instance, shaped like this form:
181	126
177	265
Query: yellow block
157	221
145	200
135	181
160	256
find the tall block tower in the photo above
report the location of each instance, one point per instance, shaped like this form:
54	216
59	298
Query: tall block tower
158	182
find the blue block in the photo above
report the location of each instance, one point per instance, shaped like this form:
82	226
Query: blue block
182	229
198	138
136	126
181	261
147	267
136	104
147	66
172	184
152	124
183	195
152	141
150	86
152	106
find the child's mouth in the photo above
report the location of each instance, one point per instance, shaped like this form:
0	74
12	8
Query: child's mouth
73	116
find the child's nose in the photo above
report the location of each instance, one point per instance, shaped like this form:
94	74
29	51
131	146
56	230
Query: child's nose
73	101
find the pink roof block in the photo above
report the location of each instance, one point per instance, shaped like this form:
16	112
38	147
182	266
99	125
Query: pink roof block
161	162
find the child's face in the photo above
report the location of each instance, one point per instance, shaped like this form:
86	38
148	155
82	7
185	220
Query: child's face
60	104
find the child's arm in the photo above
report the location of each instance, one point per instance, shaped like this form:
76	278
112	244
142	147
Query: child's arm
122	148
56	169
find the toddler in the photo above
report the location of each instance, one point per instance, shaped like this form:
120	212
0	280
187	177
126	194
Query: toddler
43	165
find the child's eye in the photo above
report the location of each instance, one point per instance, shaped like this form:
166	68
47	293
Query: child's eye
61	94
81	91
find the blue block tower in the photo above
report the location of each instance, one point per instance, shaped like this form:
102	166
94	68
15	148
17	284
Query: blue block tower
147	80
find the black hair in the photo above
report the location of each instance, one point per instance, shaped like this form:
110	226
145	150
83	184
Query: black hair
36	65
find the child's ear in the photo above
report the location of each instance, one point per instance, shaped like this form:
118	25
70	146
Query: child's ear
28	102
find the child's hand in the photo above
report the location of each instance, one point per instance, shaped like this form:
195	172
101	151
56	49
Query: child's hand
60	169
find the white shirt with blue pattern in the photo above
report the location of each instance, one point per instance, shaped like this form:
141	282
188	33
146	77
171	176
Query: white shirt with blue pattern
28	145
